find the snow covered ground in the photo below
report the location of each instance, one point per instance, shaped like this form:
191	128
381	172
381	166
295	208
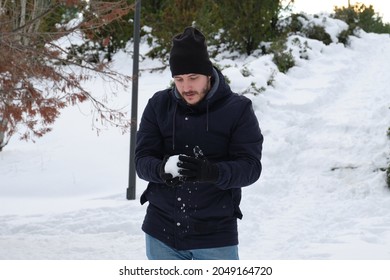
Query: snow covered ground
322	194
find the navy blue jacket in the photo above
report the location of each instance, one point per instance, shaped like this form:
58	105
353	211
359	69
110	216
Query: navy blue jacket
224	127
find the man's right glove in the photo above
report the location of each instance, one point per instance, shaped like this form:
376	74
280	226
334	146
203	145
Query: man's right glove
167	177
198	170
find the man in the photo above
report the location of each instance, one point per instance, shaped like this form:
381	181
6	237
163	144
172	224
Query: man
217	137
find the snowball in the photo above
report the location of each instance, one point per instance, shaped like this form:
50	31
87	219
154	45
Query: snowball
171	166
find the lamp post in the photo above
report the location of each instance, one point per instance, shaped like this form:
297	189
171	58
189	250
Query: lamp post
130	194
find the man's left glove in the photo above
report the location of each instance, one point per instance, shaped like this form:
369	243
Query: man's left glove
167	177
198	170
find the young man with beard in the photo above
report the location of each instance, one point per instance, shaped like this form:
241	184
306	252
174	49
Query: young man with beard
218	139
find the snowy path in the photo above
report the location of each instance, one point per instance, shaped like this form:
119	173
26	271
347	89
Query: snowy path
321	196
91	233
321	200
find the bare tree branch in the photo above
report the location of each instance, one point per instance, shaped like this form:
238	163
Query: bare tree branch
35	77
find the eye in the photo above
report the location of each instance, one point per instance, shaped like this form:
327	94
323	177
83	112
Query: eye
193	77
178	80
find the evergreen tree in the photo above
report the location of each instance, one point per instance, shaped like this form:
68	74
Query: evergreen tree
246	23
359	15
236	25
168	18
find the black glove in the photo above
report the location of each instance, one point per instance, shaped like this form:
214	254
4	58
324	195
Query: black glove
167	177
198	170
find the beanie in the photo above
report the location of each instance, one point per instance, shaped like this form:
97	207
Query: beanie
189	54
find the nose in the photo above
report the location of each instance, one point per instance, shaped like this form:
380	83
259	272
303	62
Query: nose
187	86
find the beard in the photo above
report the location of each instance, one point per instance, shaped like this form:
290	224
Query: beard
202	93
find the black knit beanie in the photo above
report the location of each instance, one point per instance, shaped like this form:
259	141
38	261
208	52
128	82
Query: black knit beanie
189	54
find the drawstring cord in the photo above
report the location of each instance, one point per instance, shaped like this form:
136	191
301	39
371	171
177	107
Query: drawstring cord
174	127
207	117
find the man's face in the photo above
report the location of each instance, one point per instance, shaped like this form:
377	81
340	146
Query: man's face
192	87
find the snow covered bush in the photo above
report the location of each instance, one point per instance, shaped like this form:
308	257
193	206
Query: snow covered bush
317	32
344	37
283	57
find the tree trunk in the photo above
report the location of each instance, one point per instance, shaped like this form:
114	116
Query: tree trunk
23	4
3	141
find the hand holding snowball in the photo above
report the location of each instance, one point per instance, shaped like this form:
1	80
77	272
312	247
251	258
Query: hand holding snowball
169	171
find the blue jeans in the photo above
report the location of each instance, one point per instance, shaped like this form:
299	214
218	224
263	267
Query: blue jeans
157	250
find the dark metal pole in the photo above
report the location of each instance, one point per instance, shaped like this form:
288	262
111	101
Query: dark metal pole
130	195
